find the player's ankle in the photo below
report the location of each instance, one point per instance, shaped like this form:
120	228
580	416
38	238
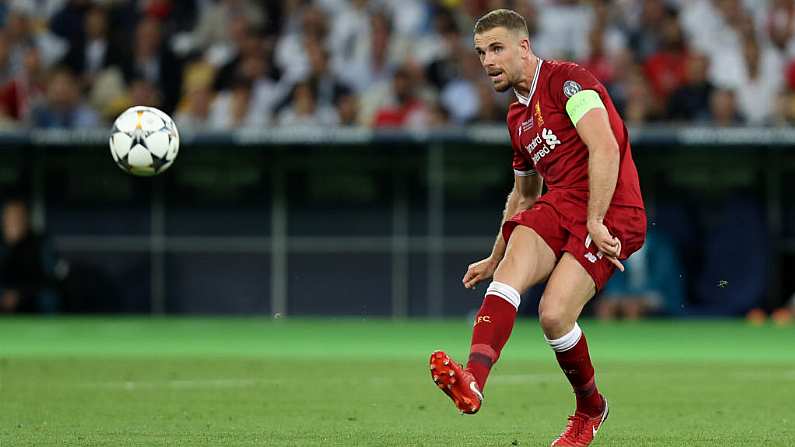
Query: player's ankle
592	405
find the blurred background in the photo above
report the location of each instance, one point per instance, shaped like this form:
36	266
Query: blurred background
349	157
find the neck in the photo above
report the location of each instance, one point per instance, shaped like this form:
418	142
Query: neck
528	73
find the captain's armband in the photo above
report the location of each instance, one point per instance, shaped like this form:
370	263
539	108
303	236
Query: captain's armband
581	102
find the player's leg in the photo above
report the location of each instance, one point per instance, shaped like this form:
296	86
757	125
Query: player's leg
569	288
527	261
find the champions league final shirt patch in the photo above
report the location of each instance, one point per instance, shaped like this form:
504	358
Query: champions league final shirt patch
526	125
570	88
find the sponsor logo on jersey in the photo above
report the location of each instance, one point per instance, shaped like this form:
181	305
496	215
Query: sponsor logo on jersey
550	138
570	88
548	141
533	144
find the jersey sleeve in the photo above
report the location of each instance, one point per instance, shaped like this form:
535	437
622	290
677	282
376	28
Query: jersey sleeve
521	166
570	80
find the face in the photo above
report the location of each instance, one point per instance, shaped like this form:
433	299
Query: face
96	23
61	90
15	222
502	54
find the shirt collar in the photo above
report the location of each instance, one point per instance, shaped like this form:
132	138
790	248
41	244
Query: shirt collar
525	100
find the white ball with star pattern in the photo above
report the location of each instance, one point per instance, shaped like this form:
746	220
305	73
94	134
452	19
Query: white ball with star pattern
144	141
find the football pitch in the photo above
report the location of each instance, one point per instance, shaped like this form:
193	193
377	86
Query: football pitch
364	382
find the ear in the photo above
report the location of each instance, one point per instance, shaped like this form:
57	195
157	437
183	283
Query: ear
524	44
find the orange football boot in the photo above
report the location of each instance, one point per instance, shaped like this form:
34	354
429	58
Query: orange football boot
456	382
581	429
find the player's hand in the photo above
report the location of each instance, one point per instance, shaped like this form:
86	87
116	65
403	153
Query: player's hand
609	245
479	271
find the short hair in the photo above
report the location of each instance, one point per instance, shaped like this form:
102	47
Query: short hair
505	18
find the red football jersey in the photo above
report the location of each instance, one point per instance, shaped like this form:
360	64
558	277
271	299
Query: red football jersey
545	140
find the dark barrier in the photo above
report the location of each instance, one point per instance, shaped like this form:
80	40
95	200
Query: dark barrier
352	222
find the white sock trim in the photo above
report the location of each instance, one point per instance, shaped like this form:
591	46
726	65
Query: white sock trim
566	342
505	292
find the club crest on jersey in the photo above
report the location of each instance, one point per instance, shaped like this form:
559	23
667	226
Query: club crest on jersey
526	125
537	112
570	88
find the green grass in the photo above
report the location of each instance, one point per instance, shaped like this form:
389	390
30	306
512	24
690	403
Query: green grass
229	382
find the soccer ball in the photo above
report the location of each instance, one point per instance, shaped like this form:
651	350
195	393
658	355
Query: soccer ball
144	141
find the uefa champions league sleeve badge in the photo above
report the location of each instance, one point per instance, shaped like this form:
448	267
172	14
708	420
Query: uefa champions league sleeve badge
570	88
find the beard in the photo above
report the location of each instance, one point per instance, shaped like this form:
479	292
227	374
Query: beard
502	86
501	81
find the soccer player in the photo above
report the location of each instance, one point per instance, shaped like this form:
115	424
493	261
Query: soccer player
565	130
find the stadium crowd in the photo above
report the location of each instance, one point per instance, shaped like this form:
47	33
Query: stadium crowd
224	64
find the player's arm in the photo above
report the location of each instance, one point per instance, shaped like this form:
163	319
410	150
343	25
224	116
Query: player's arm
526	190
588	113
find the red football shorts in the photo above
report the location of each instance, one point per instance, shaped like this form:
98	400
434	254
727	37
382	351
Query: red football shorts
561	222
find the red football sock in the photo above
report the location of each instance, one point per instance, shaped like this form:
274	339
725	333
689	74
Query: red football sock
576	364
493	326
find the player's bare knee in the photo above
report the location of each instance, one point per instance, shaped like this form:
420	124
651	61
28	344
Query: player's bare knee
555	321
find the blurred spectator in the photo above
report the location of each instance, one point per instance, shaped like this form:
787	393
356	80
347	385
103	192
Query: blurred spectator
26	90
327	86
220	26
249	42
624	68
405	109
723	108
176	15
23	31
780	26
6	70
563	27
690	102
491	107
358	45
64	107
438	116
349	25
28	266
348	110
665	67
460	97
290	55
93	50
651	283
599	62
305	109
644	38
729	55
232	109
761	84
437	49
152	60
707	23
141	92
374	56
410	16
639	106
266	93
68	21
193	112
